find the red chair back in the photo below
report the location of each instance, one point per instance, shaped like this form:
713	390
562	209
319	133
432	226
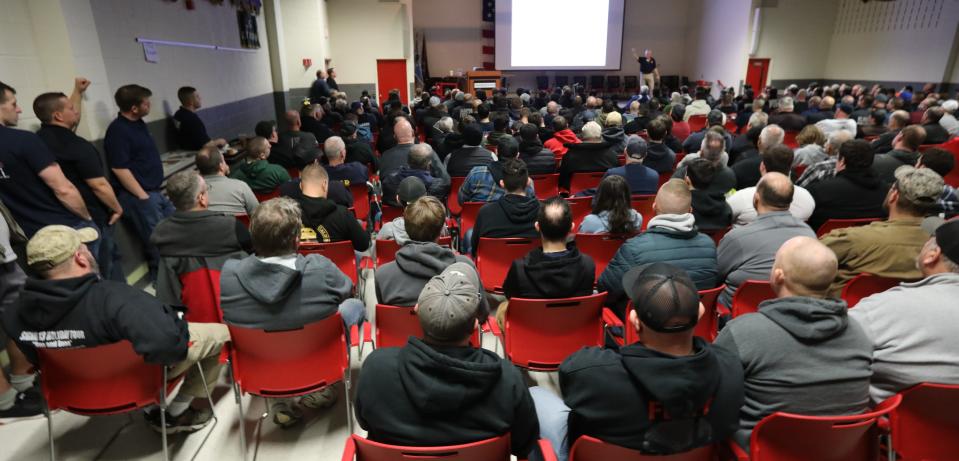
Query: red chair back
494	257
588	448
341	253
731	126
468	214
360	449
546	185
293	172
264	196
291	362
541	333
952	178
452	200
201	295
798	170
864	285
925	147
926	424
579	182
395	324
579	208
708	325
788	437
748	296
390	213
716	234
696	123
663	179
245	219
789	140
833	224
386	249
600	247
102	380
643	204
361	201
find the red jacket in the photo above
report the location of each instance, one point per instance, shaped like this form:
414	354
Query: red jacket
556	143
680	130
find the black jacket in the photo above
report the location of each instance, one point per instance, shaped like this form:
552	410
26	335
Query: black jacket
711	210
788	121
935	133
294	149
462	160
332	222
539	160
611	393
86	311
885	165
586	157
538	276
747	170
883	143
319	129
659	157
849	195
422	395
358	150
337	192
511	216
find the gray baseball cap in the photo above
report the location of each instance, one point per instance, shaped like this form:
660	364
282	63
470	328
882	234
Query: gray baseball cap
449	304
919	185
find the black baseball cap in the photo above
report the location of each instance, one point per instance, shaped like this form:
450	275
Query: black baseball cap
946	233
662	294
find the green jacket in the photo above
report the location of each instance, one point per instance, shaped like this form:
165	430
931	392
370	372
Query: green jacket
262	176
883	248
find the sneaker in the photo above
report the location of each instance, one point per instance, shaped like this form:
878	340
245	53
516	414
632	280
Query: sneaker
27	404
190	420
285	415
324	398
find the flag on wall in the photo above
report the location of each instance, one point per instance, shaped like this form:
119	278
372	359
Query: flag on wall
489	34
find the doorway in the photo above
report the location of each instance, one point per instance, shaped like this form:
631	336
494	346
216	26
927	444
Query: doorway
756	73
391	74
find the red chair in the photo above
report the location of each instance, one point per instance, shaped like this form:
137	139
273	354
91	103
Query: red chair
663	179
579	182
833	224
789	437
717	234
579	208
452	200
546	185
748	296
540	333
395	324
588	448
360	449
264	196
361	201
798	170
696	123
386	249
468	214
952	178
495	256
293	172
731	126
289	363
789	140
643	204
341	253
708	325
201	295
600	247
245	219
925	147
925	426
390	213
864	285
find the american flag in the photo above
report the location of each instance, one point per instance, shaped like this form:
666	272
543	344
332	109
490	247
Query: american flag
489	34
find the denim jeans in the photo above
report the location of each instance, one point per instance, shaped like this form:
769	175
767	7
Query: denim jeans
144	215
552	414
109	256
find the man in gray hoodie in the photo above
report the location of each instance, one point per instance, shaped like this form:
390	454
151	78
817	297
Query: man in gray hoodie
801	352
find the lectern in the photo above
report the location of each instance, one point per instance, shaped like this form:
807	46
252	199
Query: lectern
483	80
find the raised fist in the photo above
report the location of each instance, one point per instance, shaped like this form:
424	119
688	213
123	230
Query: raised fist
81	84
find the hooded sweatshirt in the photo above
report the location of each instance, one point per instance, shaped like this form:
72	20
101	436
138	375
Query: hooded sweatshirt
559	141
261	176
711	210
615	137
399	282
659	157
539	160
852	194
423	395
258	294
332	222
511	216
610	395
800	355
86	311
540	275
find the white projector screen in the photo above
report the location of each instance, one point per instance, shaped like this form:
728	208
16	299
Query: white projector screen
591	33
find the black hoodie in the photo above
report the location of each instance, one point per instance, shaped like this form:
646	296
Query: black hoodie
539	160
711	210
851	194
511	216
609	395
332	222
422	395
560	275
586	157
86	311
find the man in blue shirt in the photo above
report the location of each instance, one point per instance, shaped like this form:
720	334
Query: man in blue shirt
136	165
642	179
349	173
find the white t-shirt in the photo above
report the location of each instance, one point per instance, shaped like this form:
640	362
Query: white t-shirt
743	212
832	125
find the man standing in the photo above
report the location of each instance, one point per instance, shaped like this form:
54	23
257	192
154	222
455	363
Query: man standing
331	79
320	88
135	162
191	132
648	70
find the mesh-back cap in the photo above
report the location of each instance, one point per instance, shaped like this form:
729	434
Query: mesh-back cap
664	297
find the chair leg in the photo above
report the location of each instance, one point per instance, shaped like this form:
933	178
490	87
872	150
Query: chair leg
239	403
349	400
209	399
49	415
163	438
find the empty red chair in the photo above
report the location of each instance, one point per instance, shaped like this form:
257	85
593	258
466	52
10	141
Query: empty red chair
264	196
386	249
361	201
468	214
833	224
360	449
546	185
341	253
789	437
579	182
749	295
696	123
600	247
452	200
579	208
395	324
708	325
789	140
495	256
587	448
864	285
925	426
541	333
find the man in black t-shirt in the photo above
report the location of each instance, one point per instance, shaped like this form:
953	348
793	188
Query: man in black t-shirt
648	69
190	131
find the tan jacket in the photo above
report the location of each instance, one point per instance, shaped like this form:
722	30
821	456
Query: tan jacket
883	248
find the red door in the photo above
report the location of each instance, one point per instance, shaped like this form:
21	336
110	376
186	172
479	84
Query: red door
756	73
391	74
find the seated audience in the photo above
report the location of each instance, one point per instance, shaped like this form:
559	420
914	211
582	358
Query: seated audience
811	148
889	248
713	149
399	282
539	160
786	118
501	129
641	179
699	106
912	327
948	120
442	391
678	127
897	121
715	119
591	155
513	215
256	171
801	353
409	190
840	121
855	192
823	112
190	131
311	115
775	160
621	396
825	169
905	151
942	162
462	160
398	156
358	149
935	133
298	148
324	220
747	168
671	236
875	124
613	133
485	183
338	169
612	212
69	295
658	156
747	252
746	145
278	289
709	203
224	194
419	161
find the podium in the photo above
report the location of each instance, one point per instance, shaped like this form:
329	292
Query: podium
486	81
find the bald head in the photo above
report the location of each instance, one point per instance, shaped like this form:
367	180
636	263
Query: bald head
403	131
674	197
774	192
803	267
292	119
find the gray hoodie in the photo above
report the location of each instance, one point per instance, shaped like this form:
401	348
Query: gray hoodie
399	283
799	355
257	294
396	230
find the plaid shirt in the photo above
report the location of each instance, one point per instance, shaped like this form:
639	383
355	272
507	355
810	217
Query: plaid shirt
480	186
817	172
949	200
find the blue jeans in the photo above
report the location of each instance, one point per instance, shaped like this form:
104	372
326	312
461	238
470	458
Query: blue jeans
144	215
109	256
553	415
